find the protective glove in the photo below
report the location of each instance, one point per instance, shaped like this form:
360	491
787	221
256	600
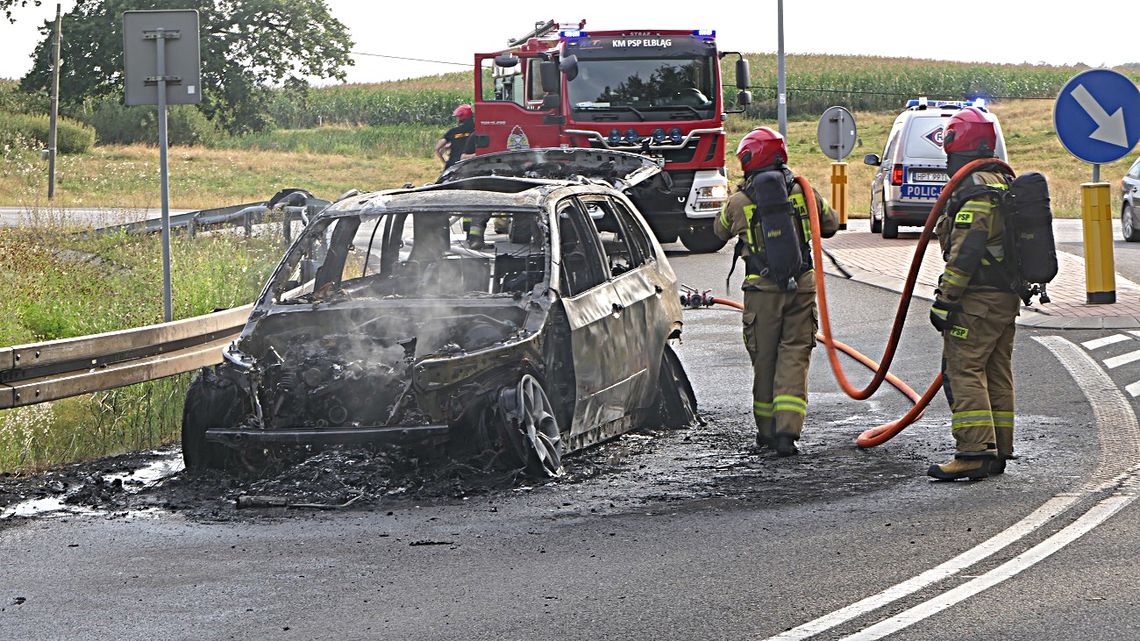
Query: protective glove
940	314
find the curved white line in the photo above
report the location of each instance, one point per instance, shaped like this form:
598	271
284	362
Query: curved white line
1119	434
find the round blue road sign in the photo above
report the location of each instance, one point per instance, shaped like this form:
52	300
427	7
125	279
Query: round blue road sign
1097	115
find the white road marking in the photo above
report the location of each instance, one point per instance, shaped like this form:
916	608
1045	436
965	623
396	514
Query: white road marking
1012	534
1097	343
1133	389
1083	525
1123	359
1119	434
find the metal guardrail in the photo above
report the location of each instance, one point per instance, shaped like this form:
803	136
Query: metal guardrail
52	370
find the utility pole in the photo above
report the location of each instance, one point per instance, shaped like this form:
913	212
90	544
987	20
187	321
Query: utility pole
52	133
781	82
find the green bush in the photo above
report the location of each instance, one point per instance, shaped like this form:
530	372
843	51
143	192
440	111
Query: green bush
72	137
13	100
116	124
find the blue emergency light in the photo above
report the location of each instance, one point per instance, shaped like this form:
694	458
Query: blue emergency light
704	33
675	135
615	136
632	135
572	33
659	135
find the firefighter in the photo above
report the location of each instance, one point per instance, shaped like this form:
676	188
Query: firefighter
769	215
456	140
459	142
975	307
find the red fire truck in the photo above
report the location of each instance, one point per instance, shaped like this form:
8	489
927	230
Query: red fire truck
656	93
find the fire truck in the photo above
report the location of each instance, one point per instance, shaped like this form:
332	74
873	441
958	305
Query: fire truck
653	92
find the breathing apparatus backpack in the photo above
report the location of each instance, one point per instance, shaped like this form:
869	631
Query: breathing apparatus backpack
1028	240
776	221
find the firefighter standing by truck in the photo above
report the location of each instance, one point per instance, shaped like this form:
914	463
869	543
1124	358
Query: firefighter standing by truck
455	140
976	306
459	143
769	215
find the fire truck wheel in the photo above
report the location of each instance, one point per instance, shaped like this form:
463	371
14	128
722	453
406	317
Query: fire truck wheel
701	240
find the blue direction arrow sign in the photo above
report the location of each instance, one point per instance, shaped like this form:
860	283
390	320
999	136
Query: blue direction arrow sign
1097	115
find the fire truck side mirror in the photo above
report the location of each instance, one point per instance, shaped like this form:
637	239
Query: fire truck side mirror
548	72
743	76
506	60
744	98
551	101
569	67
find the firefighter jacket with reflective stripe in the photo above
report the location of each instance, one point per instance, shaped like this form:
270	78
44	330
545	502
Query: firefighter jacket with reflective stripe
971	236
735	219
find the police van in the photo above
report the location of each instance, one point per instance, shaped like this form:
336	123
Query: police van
912	170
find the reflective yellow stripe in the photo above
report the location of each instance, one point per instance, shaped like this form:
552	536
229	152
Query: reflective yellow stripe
724	216
787	403
972	418
748	211
1003	419
763	410
800	205
954	277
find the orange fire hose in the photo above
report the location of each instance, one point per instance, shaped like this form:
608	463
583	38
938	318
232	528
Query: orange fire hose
882	433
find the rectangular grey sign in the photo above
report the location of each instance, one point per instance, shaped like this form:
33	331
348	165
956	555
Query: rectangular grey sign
178	33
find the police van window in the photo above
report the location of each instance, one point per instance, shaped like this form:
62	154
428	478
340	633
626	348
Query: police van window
620	253
578	245
888	153
924	138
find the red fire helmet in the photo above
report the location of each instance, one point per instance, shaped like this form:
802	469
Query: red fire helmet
463	112
969	130
760	148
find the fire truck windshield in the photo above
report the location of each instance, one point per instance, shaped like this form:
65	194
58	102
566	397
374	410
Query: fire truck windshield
626	89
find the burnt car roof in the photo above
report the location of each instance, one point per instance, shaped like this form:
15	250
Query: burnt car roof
618	168
485	192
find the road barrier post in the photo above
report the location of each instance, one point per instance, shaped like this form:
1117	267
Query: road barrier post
1096	219
839	191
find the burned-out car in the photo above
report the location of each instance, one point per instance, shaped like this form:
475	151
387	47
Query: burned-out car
391	320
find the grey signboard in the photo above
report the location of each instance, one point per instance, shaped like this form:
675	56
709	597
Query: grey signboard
166	38
836	133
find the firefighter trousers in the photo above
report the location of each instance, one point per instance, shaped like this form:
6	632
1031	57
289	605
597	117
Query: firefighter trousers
779	333
977	370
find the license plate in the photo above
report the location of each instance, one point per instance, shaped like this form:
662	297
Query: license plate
929	176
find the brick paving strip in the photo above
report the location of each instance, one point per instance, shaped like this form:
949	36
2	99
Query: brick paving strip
882	262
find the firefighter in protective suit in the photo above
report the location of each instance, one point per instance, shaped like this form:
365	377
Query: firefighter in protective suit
769	215
975	307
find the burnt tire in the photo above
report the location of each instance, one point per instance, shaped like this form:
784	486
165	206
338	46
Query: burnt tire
530	428
677	403
213	400
700	240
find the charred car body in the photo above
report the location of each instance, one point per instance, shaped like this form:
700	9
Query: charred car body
383	323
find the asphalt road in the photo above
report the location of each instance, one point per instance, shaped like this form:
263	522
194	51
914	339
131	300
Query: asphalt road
674	535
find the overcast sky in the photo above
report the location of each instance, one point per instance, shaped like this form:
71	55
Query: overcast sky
448	31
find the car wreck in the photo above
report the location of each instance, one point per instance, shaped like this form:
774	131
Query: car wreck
392	319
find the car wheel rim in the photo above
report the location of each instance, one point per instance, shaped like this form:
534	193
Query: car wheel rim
1126	224
533	429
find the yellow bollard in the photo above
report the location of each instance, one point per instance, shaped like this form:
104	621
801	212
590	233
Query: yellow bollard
839	191
1100	268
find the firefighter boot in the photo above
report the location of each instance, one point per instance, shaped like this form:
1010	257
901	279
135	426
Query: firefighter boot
765	438
1004	450
961	468
785	445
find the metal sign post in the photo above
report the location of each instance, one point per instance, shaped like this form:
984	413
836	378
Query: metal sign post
836	136
1097	117
172	78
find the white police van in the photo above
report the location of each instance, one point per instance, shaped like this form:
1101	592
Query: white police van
912	169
